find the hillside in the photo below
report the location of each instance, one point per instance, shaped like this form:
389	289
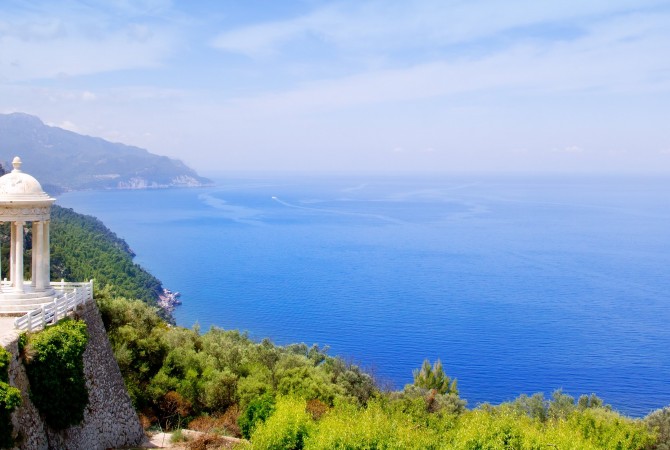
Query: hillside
86	162
83	248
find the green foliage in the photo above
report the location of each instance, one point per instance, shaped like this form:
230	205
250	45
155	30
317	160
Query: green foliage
404	423
5	358
659	423
257	411
55	369
286	428
10	399
559	407
219	369
433	402
505	427
176	374
83	248
434	378
591	401
377	426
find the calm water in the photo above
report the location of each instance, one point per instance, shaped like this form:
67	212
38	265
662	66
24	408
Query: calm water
517	285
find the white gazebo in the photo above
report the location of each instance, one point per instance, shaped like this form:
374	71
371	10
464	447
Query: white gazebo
22	201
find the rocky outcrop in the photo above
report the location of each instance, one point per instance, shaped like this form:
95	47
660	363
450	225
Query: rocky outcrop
168	300
110	420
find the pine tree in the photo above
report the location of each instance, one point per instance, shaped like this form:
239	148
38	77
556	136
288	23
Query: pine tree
434	378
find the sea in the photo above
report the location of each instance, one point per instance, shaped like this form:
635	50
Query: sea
518	284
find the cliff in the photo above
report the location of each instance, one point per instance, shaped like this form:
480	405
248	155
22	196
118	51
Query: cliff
109	419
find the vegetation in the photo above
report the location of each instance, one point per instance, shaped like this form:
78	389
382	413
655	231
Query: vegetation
10	398
55	367
83	248
175	375
298	397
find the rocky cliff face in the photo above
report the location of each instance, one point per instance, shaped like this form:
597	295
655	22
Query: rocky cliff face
63	160
109	420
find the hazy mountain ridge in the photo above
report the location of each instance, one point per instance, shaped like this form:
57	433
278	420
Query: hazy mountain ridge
63	160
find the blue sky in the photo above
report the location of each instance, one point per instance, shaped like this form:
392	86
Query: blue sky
390	86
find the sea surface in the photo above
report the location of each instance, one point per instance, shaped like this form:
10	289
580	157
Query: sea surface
518	284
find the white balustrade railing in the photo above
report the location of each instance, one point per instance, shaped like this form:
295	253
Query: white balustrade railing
70	296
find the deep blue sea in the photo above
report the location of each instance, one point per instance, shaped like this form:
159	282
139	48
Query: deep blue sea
518	284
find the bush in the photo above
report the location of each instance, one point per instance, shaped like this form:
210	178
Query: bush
349	426
285	429
55	368
10	399
659	422
256	412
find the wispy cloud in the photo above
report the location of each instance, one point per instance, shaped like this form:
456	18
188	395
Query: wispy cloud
50	43
588	64
616	50
391	26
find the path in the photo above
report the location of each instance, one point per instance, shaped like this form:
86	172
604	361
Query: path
7	330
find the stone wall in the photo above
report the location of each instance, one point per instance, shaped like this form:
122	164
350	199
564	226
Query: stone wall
109	419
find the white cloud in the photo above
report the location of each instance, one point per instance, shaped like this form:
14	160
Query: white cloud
66	125
617	53
88	96
378	26
45	43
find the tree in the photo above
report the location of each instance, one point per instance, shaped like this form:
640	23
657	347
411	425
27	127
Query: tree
434	378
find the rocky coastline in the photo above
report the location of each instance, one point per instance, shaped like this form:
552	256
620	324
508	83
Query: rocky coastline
168	300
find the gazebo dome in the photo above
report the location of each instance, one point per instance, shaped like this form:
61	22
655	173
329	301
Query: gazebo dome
17	186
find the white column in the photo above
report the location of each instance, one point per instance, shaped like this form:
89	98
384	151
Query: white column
18	257
45	264
12	253
38	242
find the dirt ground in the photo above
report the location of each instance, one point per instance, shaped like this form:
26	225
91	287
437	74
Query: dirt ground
194	440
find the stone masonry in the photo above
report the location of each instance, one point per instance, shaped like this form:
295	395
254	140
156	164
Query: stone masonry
109	419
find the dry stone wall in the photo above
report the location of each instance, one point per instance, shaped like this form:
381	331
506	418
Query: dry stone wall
109	419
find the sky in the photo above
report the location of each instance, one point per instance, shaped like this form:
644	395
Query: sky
352	86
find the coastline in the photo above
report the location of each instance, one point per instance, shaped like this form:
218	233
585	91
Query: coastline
168	300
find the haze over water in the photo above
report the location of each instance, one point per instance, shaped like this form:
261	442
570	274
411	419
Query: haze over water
518	285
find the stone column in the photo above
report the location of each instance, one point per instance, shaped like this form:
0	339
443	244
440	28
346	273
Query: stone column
38	255
12	253
46	256
18	257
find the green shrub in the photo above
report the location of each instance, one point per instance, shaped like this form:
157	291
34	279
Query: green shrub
256	412
659	422
55	368
349	426
285	429
10	398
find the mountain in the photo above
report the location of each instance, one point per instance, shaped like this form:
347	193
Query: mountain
63	160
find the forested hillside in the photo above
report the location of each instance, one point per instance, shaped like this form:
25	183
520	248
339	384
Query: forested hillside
83	248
